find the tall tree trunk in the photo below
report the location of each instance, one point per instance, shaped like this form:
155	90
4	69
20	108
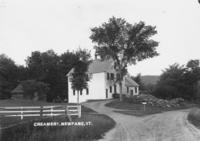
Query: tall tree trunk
120	91
78	97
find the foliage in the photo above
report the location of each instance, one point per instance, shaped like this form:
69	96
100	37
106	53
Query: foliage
124	43
179	81
45	67
31	87
138	80
133	106
79	76
149	88
67	61
8	76
22	73
51	69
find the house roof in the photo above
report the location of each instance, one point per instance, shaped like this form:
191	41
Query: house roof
18	89
97	66
129	82
100	66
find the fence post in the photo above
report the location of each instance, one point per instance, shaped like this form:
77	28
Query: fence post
41	111
22	113
66	111
51	111
79	111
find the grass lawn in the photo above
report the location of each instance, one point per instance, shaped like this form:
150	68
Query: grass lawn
26	131
11	102
138	109
194	117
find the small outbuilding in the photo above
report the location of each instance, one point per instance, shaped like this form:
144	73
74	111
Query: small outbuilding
18	92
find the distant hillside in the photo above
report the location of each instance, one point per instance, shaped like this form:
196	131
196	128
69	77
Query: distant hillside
149	79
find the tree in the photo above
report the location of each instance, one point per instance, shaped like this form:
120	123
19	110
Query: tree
79	76
138	80
124	43
192	76
31	87
8	76
179	81
172	83
67	60
22	73
45	67
34	65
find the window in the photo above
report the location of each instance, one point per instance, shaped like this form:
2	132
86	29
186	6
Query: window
87	91
127	89
131	92
106	93
87	77
112	76
108	76
115	89
74	92
110	89
118	76
136	89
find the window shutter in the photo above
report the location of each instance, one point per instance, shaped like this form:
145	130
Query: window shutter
108	76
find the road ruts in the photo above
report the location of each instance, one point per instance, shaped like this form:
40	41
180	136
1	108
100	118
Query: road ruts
167	126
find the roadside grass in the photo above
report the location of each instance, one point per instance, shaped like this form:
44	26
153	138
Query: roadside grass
194	117
137	109
24	130
99	125
6	122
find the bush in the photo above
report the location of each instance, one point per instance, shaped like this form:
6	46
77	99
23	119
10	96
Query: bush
115	96
32	88
154	101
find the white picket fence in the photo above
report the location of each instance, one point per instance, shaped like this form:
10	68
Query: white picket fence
41	111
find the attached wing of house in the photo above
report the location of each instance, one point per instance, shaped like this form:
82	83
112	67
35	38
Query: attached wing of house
101	84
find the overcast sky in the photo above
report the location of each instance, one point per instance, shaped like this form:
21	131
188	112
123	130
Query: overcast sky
30	25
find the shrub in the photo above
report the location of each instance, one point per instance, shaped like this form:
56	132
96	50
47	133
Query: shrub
32	87
115	96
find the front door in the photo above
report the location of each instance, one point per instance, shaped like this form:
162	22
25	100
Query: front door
106	93
131	92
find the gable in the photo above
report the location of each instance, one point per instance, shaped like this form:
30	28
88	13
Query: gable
18	89
129	82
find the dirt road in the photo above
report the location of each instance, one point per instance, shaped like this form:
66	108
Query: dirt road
167	126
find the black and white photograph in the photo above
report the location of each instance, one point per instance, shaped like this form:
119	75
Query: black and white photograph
99	70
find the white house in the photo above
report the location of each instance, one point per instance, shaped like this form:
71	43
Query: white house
101	84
